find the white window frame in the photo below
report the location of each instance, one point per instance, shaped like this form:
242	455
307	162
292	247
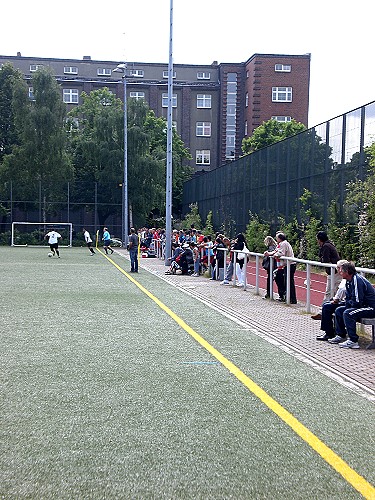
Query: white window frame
164	102
203	157
70	70
165	74
31	94
282	119
35	67
137	95
283	68
246	99
203	75
203	129
204	101
71	96
137	73
282	94
104	72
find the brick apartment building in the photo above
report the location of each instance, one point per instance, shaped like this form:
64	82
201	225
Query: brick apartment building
214	106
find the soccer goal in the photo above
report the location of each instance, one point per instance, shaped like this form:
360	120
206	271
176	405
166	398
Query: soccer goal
32	233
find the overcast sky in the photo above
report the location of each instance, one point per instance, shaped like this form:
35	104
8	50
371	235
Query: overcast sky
338	35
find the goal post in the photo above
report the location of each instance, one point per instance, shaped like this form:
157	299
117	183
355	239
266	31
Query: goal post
32	233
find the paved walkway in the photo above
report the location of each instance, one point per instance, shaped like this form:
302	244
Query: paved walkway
288	326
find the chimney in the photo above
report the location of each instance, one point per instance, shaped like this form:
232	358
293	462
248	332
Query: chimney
19	54
87	58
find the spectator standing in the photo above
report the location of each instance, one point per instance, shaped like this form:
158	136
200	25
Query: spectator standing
240	244
218	258
328	254
284	249
271	245
196	257
133	250
229	271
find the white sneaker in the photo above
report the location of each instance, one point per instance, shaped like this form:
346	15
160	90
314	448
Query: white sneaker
240	284
349	344
336	340
225	282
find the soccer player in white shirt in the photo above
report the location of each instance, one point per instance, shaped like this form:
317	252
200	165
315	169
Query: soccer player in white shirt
88	240
53	240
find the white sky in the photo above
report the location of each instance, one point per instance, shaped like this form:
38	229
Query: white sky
339	36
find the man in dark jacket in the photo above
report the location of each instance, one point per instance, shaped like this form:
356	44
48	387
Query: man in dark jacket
328	254
359	303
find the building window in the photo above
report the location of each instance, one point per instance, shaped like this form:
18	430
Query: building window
286	68
165	101
231	116
165	74
31	94
35	67
203	75
138	73
202	157
137	95
70	96
246	128
71	70
282	94
282	118
247	99
203	100
203	129
104	72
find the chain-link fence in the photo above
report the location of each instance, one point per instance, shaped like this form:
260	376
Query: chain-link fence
90	205
270	182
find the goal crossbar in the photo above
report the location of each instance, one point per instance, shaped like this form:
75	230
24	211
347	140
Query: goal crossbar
47	226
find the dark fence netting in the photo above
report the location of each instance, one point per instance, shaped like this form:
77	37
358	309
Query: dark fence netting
270	182
90	205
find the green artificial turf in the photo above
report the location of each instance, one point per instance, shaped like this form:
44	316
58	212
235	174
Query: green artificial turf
105	396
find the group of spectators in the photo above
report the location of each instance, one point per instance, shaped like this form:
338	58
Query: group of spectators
348	296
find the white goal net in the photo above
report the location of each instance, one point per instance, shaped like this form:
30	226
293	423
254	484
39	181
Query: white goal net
33	233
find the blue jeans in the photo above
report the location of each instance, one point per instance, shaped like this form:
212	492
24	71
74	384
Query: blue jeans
133	259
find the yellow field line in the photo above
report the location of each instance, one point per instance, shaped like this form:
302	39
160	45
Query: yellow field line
351	476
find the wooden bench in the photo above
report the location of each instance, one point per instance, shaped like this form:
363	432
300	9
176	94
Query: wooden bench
370	321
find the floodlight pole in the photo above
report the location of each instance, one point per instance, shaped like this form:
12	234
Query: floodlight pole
121	68
168	187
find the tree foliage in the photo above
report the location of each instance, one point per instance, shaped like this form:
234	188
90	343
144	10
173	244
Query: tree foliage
97	147
8	132
39	154
270	132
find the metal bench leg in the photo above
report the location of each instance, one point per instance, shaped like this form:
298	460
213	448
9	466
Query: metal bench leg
372	345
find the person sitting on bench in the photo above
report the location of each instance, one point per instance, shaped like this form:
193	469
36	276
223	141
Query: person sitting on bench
359	303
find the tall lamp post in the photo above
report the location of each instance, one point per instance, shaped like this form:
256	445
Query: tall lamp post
121	68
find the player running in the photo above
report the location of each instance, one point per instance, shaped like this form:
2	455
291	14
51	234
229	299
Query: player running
53	240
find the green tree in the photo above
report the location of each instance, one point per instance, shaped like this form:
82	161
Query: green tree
256	231
209	228
8	132
192	217
97	147
41	152
270	132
